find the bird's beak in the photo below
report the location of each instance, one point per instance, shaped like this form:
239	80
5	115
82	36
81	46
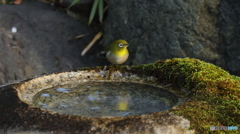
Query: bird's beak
126	45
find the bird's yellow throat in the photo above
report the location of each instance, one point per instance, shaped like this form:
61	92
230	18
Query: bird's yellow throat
118	52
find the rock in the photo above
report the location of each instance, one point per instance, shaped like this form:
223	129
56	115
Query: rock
24	111
162	29
42	42
204	94
230	35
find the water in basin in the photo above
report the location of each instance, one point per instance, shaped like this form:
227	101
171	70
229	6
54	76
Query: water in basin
104	99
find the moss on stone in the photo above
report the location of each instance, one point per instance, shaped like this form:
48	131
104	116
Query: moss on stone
216	93
215	99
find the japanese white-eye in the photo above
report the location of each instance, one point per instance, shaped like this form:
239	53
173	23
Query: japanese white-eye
117	52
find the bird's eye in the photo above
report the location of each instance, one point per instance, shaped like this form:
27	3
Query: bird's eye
120	45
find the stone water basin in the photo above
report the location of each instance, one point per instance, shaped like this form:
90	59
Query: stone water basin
103	99
91	101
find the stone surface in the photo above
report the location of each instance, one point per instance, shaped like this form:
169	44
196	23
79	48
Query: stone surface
230	34
209	89
42	42
19	114
161	29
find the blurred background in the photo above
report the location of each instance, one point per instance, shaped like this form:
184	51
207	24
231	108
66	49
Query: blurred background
46	36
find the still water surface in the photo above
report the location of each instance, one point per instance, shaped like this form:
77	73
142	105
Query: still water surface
99	99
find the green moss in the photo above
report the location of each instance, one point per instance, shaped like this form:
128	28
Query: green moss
216	93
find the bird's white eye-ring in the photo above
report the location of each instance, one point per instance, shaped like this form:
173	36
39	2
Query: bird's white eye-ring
120	45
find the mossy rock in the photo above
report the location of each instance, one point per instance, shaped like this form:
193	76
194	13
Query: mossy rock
213	100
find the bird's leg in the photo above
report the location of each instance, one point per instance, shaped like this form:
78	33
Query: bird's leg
105	68
103	71
128	68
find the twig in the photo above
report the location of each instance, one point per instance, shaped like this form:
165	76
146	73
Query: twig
96	37
80	36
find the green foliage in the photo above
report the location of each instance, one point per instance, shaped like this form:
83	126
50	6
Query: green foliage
93	11
96	4
74	3
100	9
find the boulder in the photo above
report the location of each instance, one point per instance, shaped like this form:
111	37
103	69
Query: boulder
162	29
42	42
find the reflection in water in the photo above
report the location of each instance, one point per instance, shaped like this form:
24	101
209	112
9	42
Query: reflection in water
97	99
94	99
64	90
123	99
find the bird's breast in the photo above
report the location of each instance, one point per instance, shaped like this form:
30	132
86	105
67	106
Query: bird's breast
116	59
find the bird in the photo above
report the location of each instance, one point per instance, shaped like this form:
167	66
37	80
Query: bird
117	52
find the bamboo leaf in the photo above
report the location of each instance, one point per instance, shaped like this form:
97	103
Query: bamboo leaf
100	10
74	3
93	11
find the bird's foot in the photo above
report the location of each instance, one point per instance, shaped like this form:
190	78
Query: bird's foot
105	68
128	68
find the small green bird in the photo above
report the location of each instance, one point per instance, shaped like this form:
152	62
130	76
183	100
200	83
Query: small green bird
117	52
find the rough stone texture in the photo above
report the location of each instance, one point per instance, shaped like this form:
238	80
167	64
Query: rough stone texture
230	34
41	43
19	115
161	29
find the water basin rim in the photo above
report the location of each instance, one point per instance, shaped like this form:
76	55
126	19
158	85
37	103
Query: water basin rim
26	93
